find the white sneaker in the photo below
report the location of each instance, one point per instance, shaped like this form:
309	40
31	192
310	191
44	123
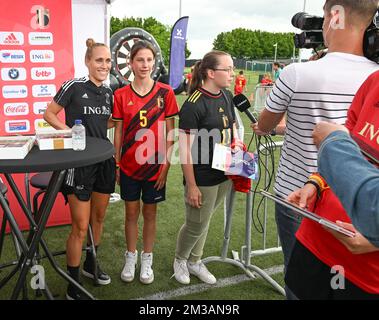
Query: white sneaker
147	273
127	273
200	270
181	271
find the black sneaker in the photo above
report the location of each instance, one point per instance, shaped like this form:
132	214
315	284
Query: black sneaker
88	271
74	293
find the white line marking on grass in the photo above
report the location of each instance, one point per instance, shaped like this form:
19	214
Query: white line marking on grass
204	287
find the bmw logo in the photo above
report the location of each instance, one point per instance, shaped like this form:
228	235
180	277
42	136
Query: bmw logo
13	74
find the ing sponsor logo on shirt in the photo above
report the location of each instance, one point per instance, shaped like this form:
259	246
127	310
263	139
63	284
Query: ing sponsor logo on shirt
104	110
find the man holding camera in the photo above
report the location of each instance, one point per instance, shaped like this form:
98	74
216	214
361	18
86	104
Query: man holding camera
316	91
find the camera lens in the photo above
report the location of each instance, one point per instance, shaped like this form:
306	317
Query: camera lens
305	21
296	20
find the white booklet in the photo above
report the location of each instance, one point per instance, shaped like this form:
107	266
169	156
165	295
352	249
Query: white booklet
310	215
241	163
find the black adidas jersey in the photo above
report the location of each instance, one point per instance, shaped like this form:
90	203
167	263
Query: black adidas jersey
83	100
211	118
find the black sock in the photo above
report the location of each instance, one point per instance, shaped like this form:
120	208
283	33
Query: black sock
74	272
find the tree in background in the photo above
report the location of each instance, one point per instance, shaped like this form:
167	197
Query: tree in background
249	44
240	42
158	30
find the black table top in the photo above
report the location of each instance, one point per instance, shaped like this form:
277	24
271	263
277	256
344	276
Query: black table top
36	160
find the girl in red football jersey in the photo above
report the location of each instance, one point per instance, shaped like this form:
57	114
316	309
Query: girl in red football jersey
141	110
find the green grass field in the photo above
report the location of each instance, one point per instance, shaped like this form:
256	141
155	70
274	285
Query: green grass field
170	218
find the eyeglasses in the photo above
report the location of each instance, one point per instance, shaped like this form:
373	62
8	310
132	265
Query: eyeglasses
228	70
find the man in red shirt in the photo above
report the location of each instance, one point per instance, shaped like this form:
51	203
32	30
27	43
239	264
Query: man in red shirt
319	253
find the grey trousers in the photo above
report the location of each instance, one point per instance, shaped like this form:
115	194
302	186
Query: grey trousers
193	233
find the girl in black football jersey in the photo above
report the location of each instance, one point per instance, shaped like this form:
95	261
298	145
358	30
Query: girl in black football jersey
88	188
207	117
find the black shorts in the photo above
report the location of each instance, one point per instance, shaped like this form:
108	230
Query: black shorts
131	190
100	177
310	279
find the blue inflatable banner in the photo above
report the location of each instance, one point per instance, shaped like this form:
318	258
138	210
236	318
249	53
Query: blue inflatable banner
177	52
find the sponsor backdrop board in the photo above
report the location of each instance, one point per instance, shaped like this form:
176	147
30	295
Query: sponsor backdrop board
36	57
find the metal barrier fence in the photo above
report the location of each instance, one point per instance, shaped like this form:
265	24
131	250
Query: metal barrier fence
246	250
259	66
247	253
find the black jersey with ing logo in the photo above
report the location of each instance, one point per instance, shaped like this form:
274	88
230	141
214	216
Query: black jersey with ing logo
83	100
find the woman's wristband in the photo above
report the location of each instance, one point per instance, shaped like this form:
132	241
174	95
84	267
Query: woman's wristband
314	183
319	180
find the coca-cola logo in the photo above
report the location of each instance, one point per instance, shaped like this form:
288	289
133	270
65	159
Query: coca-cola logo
13	109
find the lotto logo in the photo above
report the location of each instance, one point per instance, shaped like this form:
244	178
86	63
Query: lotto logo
14	126
16	109
11	38
41	56
13	74
43	73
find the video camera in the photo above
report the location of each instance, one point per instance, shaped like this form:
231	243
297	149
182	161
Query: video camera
312	37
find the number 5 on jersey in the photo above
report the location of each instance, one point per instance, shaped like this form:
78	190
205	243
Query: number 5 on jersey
142	117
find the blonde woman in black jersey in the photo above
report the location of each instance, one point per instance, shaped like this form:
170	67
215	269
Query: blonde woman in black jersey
88	188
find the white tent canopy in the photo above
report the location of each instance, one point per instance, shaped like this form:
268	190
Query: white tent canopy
90	19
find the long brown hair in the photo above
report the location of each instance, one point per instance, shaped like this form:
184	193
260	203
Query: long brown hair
199	73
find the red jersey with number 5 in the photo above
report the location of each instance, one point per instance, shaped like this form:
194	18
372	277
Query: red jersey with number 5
143	134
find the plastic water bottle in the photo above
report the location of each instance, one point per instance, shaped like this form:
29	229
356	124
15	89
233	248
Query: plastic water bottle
78	136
